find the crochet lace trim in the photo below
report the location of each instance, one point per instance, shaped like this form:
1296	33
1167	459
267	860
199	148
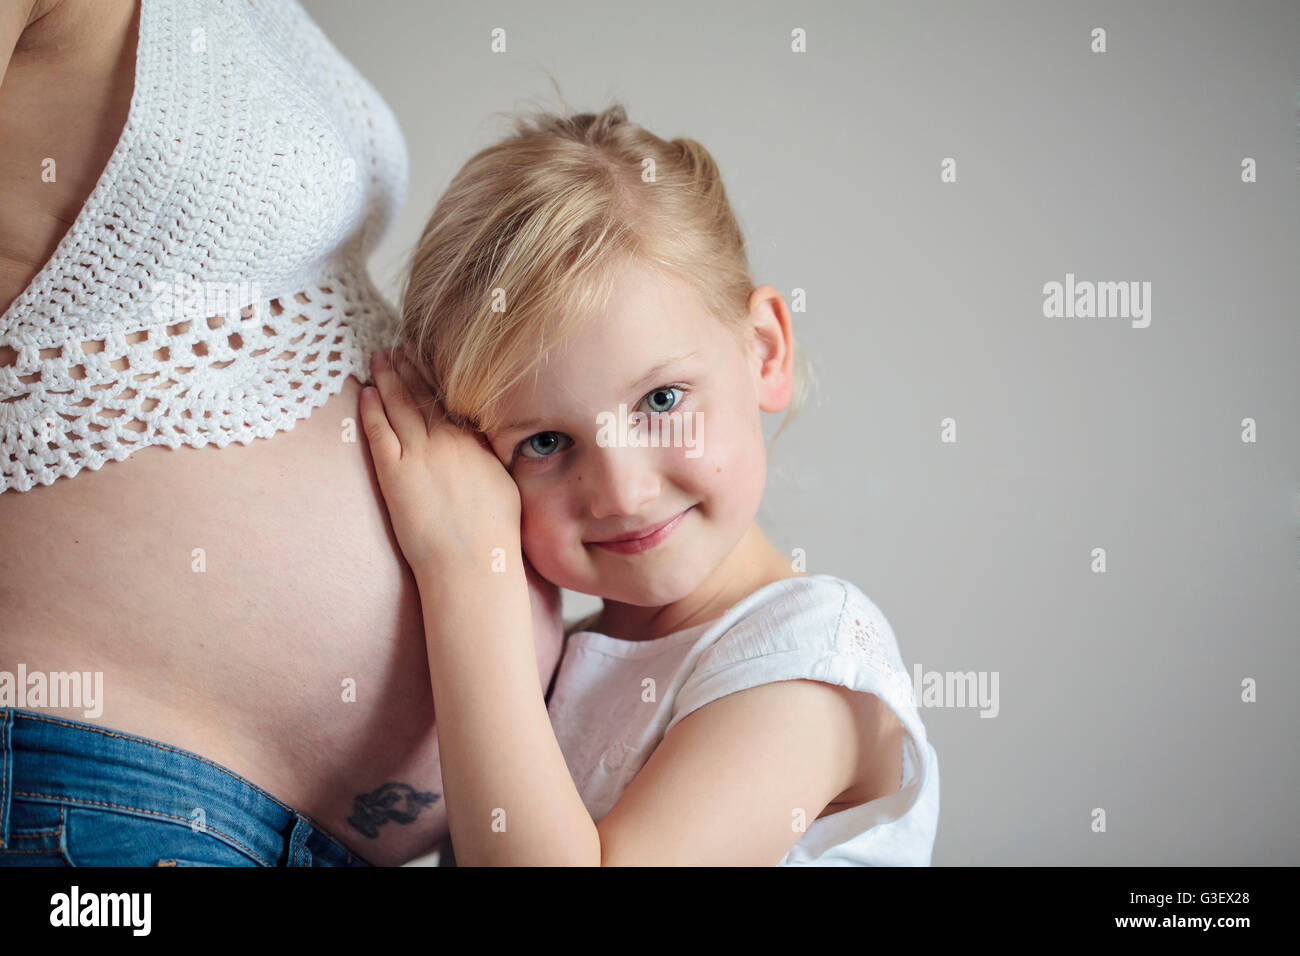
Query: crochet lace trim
196	382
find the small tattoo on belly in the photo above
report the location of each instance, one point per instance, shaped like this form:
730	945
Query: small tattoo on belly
399	802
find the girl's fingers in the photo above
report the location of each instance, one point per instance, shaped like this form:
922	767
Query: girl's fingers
403	417
384	445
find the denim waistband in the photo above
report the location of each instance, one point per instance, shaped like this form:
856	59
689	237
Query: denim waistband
54	759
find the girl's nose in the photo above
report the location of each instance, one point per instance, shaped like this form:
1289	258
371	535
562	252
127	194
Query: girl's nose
620	482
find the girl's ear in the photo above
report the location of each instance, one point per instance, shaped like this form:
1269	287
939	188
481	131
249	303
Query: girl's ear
771	342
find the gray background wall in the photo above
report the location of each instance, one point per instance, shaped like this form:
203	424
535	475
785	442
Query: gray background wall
1119	690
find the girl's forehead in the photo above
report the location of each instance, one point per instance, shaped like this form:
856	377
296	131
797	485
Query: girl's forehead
651	323
631	342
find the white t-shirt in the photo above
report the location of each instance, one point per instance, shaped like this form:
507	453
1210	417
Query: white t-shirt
816	627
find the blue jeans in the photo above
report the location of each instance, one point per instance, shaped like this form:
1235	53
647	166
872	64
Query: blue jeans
74	794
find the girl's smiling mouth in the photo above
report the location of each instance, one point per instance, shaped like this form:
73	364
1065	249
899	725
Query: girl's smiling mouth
643	540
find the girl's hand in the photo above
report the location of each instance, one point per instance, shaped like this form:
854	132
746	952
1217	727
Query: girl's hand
450	500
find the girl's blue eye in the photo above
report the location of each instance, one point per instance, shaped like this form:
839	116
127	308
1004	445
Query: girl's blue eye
544	448
667	389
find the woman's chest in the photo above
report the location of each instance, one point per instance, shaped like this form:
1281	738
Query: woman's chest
61	116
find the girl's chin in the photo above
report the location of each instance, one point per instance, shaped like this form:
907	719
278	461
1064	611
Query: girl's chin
659	592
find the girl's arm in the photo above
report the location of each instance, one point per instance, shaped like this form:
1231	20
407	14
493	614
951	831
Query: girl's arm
738	781
510	799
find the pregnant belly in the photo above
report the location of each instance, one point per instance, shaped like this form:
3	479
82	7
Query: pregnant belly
249	603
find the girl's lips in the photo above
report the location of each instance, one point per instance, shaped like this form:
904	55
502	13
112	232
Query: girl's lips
637	545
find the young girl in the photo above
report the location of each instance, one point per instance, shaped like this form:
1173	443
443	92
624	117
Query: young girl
580	395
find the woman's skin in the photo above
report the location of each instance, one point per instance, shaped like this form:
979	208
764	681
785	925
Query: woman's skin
305	588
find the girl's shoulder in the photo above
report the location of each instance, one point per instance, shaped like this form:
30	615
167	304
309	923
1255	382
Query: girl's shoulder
810	606
816	627
813	616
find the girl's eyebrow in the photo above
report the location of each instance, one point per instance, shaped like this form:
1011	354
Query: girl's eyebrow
658	369
643	380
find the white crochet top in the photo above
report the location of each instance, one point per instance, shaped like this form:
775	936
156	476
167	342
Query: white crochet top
213	288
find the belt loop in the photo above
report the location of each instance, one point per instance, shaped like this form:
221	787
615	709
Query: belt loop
298	854
6	772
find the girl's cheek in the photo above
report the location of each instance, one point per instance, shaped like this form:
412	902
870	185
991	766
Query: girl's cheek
723	452
732	467
540	528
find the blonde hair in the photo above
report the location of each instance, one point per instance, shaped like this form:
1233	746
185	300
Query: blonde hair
523	248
